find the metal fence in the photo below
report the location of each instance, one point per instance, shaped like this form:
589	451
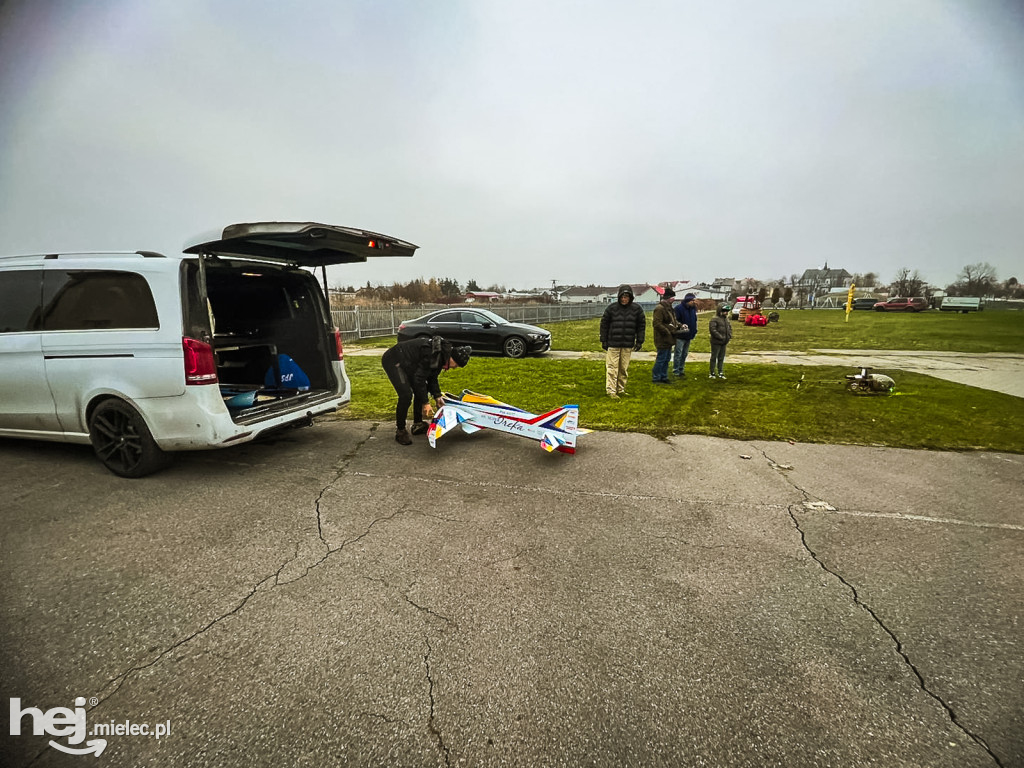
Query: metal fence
365	323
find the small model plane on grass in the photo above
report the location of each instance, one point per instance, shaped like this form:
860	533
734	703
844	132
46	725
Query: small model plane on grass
556	430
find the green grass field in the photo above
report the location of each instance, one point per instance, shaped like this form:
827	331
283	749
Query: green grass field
759	402
800	330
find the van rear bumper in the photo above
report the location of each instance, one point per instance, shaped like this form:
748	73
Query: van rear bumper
199	419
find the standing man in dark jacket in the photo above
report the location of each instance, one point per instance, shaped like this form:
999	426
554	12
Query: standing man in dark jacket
664	323
413	366
623	327
720	330
686	314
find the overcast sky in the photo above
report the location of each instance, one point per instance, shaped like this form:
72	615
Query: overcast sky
528	141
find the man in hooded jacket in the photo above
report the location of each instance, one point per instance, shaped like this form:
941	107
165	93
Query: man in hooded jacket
623	327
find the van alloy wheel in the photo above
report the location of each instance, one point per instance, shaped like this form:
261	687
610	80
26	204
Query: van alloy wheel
122	441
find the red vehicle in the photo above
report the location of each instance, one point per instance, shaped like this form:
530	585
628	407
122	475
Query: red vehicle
749	303
898	304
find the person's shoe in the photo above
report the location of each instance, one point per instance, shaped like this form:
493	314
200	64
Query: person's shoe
662	381
721	375
682	375
624	393
711	375
402	437
613	396
419	428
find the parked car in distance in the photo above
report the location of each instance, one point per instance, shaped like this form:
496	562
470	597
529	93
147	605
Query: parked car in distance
744	302
141	355
481	329
864	302
899	304
962	304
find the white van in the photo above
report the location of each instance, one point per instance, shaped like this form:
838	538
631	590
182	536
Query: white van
141	354
963	304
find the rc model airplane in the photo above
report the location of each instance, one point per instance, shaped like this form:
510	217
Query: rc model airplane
556	430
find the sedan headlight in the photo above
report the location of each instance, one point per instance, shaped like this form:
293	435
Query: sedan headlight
537	336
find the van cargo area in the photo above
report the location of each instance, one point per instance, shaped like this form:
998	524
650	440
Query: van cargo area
270	334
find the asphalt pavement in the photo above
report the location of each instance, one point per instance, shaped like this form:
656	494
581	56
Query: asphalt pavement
333	598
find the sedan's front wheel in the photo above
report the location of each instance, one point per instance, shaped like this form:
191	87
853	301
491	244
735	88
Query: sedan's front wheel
514	347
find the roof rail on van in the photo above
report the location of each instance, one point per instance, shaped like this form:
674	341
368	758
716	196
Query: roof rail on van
72	254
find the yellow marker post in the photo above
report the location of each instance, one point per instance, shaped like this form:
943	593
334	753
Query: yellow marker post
849	301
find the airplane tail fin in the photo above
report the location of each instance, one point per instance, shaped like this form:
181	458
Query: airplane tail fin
566	421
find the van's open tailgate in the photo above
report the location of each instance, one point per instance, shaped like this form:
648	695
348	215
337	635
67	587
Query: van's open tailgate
303	244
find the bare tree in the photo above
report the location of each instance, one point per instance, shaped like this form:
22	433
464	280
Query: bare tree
866	280
907	283
975	280
750	286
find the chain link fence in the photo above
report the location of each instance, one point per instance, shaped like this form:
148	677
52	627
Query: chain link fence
366	323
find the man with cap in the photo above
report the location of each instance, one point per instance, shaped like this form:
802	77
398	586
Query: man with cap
686	315
664	323
412	367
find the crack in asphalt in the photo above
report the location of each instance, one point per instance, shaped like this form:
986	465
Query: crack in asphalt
950	712
433	702
405	596
431	721
273	580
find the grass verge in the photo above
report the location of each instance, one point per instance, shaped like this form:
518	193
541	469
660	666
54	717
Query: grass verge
757	402
801	330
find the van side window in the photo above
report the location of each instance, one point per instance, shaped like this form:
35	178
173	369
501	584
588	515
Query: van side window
19	300
82	300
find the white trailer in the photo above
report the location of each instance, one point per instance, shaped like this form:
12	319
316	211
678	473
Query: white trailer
962	304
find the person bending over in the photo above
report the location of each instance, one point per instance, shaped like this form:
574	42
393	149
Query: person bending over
412	367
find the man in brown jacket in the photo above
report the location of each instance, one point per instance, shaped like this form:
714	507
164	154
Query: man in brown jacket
664	323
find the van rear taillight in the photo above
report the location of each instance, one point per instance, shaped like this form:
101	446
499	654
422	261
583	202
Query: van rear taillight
339	352
200	367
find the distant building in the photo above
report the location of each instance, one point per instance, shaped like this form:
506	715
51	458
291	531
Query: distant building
820	282
682	287
585	295
647	294
724	285
705	291
482	296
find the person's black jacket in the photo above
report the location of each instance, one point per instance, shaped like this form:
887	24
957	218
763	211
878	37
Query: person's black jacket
623	325
421	360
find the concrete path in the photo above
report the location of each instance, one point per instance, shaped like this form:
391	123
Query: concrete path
999	372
